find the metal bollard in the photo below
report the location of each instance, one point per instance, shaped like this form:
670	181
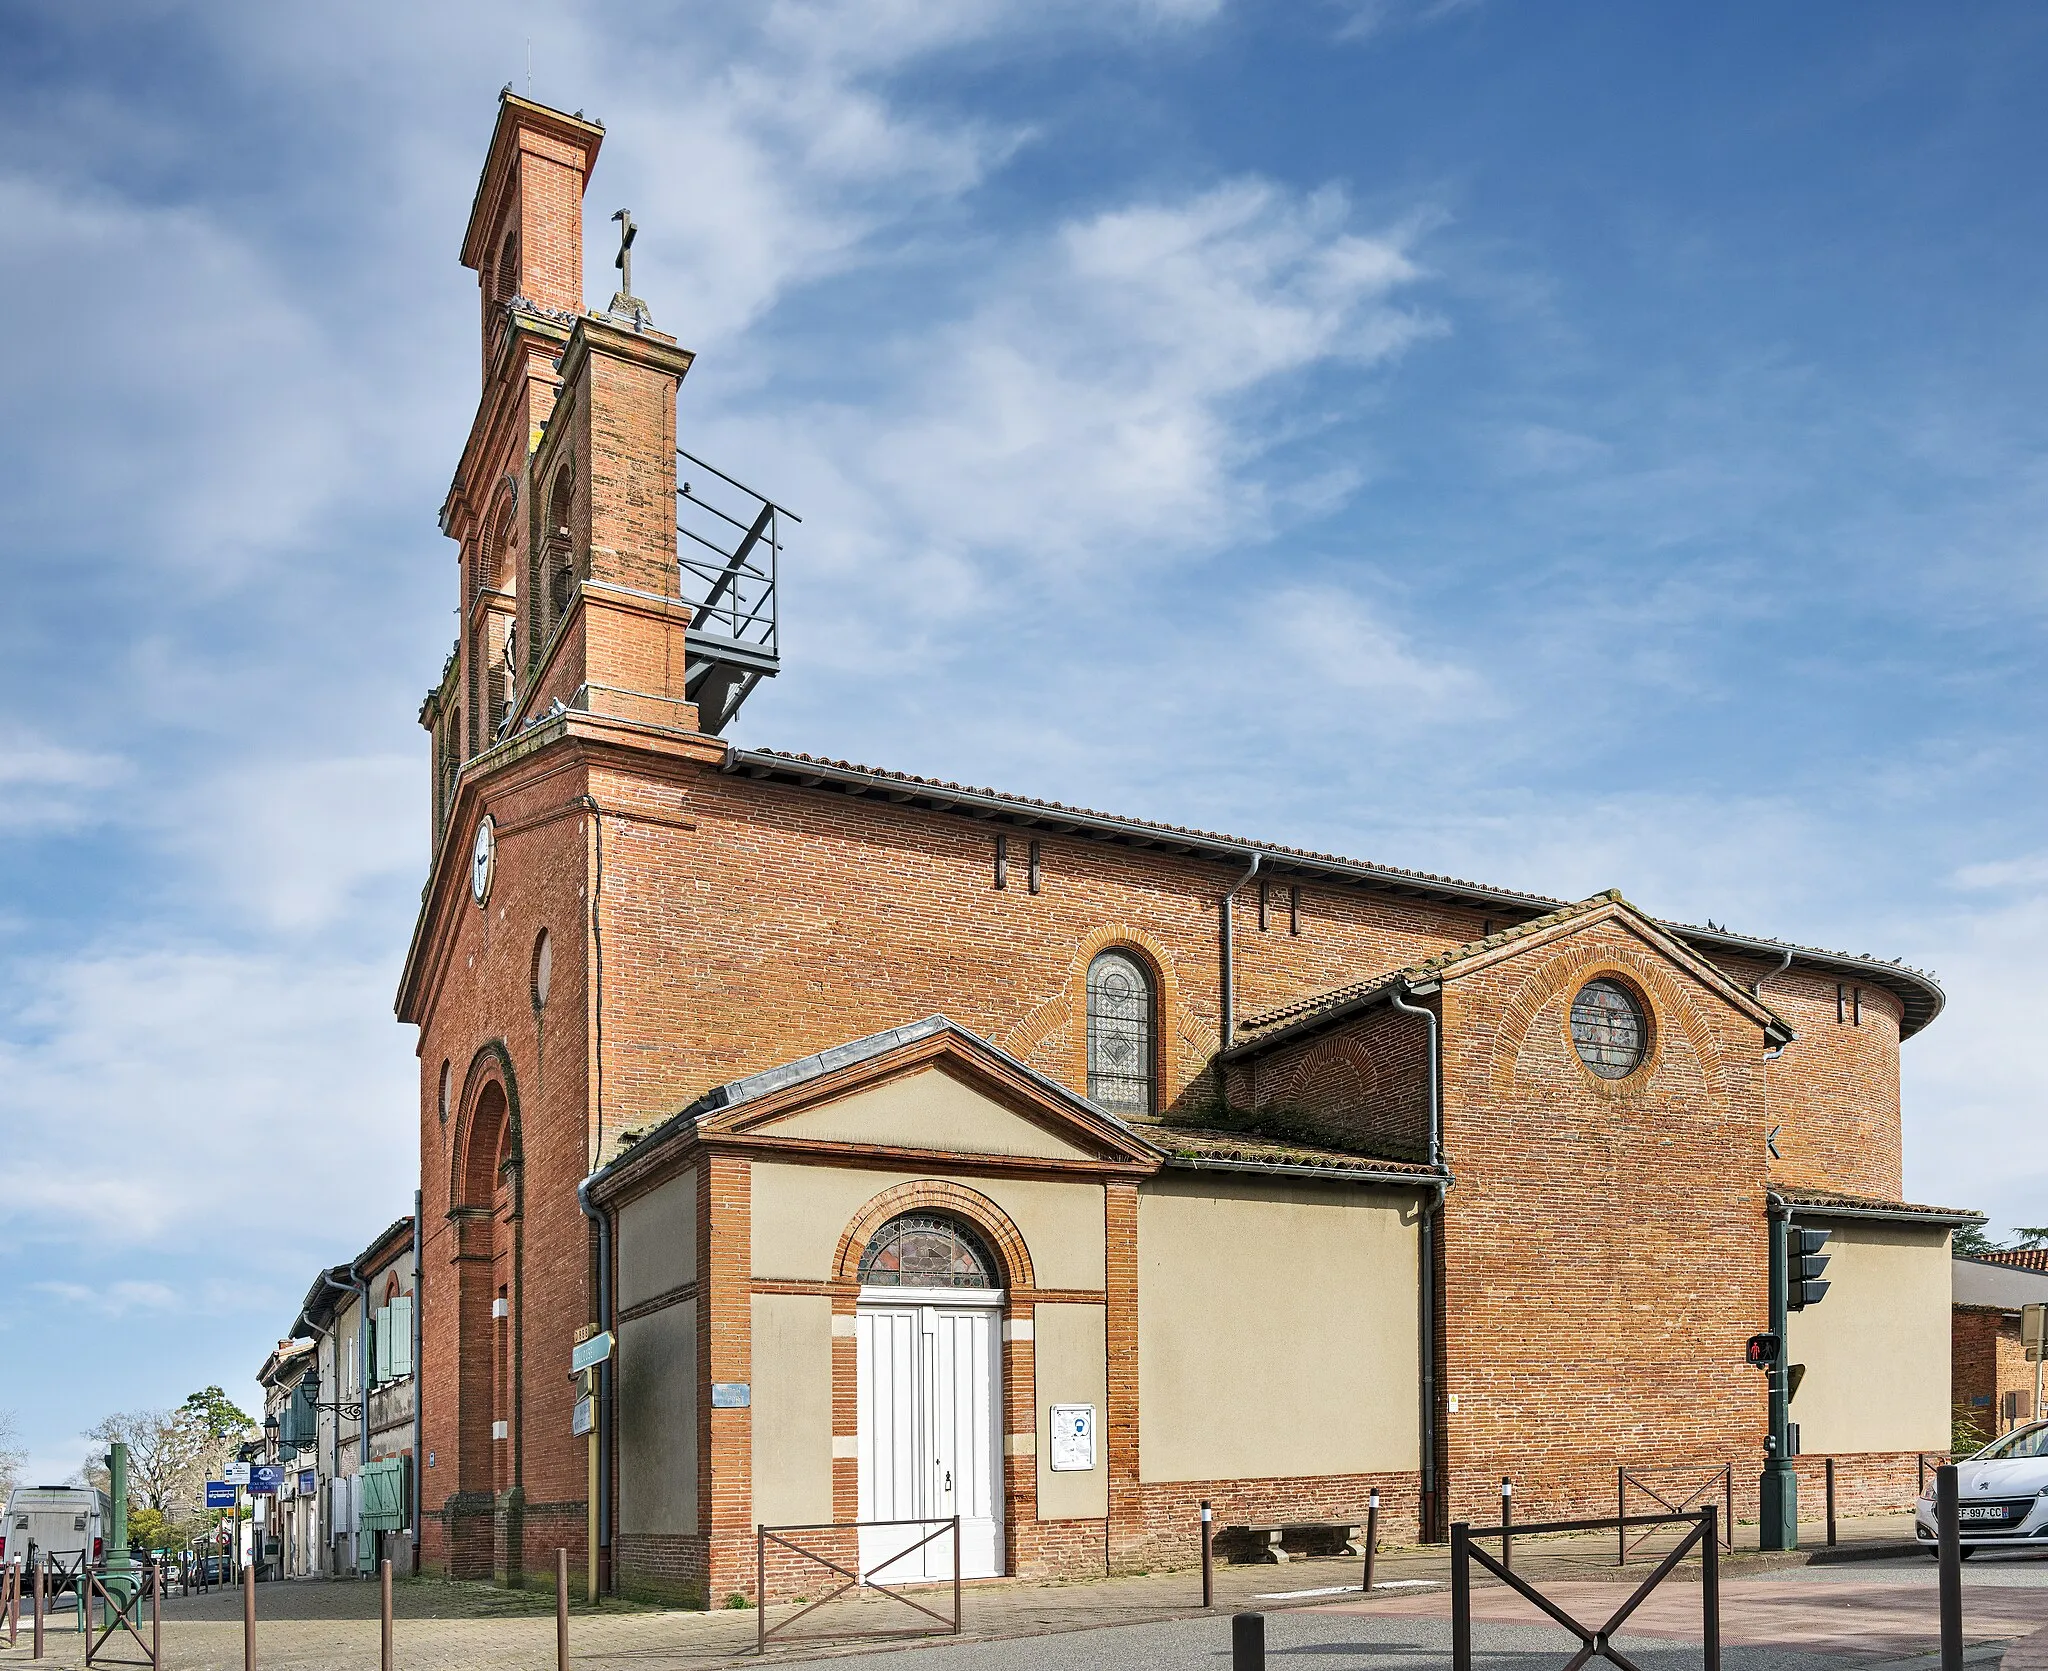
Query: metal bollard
1208	1555
1507	1522
1248	1642
38	1631
248	1624
1831	1501
1948	1525
561	1610
1372	1536
384	1606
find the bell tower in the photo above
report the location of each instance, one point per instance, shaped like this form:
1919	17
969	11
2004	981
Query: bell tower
524	242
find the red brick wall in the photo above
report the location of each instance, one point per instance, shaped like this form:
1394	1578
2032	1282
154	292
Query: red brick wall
1988	1362
1834	1093
1603	1249
1363	1085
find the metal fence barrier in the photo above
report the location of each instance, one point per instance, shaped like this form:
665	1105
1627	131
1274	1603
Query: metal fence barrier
856	1577
1671	1498
121	1609
1597	1642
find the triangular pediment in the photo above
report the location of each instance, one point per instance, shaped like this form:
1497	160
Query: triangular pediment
1604	912
1588	917
932	1089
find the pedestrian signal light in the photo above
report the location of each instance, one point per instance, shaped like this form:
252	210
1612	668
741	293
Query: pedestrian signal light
1804	1262
1762	1351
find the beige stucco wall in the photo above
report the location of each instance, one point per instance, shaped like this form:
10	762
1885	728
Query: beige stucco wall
657	1403
1072	1367
800	1212
658	1240
1876	1349
792	1403
929	1110
1276	1329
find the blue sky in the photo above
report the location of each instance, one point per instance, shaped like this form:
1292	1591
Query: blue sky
1567	446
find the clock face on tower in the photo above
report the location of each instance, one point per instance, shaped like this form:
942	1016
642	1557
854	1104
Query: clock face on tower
483	859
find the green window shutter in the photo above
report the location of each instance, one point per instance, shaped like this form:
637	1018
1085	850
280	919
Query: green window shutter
385	1497
401	1335
383	1339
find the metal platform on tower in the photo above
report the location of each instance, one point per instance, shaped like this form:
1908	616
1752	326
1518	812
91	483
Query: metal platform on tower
728	548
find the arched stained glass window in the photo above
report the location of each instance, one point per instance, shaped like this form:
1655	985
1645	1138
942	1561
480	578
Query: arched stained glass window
924	1250
1608	1029
1120	1056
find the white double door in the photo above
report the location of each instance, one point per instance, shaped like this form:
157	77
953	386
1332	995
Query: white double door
930	1436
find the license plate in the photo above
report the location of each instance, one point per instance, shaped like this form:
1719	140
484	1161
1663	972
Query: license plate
1989	1511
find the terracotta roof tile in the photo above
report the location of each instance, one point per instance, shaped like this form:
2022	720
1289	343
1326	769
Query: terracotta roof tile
1214	1144
1874	1205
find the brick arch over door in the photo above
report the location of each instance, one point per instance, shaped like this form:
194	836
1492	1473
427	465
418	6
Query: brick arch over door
939	1195
1672	1005
486	1128
485	1200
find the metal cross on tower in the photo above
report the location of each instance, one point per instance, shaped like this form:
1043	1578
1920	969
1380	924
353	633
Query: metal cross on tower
626	305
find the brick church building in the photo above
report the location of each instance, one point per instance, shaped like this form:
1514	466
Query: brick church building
934	1151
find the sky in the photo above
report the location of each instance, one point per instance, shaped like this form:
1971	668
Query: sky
1563	446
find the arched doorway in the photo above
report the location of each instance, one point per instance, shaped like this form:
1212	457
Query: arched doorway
486	1209
928	1349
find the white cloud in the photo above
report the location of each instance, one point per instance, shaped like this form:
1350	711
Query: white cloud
2030	870
201	1079
45	785
1111	404
208	427
1327	639
116	1299
291	845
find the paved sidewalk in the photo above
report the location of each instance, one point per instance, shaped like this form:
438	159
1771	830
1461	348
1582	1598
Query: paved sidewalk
1779	1614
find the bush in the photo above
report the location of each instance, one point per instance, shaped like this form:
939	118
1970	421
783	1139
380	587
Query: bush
1964	1433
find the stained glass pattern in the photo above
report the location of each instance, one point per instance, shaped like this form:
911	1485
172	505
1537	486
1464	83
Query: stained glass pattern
1607	1029
1120	1071
921	1250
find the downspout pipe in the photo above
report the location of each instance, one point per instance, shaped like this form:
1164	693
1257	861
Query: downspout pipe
1756	991
598	1217
419	1380
1426	1260
1229	994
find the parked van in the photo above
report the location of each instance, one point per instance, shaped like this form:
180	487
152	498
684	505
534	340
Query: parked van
60	1520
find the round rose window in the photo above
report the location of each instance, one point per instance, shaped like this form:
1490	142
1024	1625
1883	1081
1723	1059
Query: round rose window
1608	1029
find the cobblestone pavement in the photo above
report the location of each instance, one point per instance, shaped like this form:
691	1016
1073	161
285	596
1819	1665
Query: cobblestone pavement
1779	1614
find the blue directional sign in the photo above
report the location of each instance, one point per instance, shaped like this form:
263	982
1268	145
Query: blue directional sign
265	1478
219	1494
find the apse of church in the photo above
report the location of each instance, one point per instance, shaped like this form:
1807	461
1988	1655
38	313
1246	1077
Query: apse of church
929	1153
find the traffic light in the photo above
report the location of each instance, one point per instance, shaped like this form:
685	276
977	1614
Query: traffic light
1804	1262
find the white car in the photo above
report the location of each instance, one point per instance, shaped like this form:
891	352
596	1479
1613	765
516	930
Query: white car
2001	1492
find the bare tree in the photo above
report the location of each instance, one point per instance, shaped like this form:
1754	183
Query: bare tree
12	1456
171	1453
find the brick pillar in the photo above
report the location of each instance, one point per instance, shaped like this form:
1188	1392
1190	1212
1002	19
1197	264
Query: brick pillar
725	1340
1120	1324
